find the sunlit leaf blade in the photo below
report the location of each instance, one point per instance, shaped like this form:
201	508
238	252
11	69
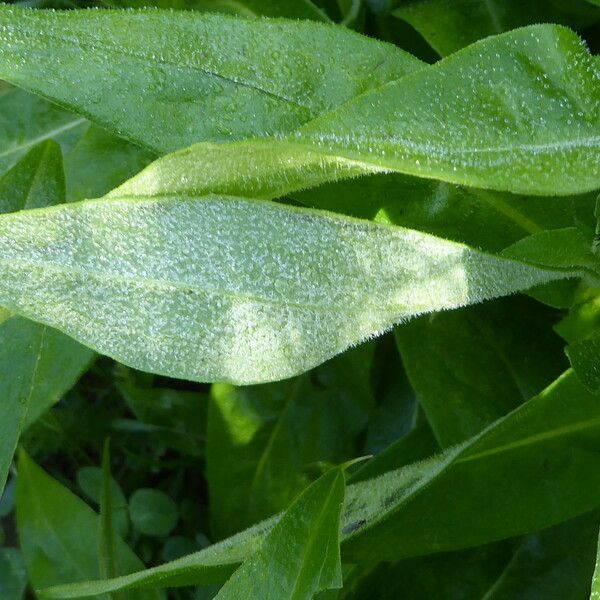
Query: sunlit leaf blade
547	449
27	120
58	532
169	79
29	351
528	124
225	289
308	536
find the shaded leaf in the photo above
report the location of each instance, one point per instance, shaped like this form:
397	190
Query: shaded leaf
547	449
13	578
27	120
59	533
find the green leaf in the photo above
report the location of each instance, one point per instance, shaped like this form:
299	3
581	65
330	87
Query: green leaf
530	125
37	180
183	77
483	218
292	9
307	535
91	482
13	578
547	449
27	120
297	286
503	353
152	512
266	443
99	162
29	352
449	25
557	562
58	533
544	448
107	547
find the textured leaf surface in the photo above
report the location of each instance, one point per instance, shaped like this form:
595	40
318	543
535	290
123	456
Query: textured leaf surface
308	536
186	287
530	124
169	79
59	533
547	449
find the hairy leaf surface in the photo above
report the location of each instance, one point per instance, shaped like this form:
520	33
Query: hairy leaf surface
169	79
530	124
224	289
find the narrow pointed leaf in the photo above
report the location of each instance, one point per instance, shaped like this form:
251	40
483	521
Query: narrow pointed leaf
530	124
58	532
224	289
168	79
553	439
308	536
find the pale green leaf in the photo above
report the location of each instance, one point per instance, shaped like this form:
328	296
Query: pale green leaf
29	352
530	124
308	536
169	79
271	291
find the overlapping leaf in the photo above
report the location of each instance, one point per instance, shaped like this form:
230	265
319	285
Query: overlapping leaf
517	112
547	449
167	79
225	289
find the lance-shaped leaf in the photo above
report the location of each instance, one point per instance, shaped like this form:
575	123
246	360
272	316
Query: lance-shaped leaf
59	532
226	289
547	450
517	112
169	79
308	536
